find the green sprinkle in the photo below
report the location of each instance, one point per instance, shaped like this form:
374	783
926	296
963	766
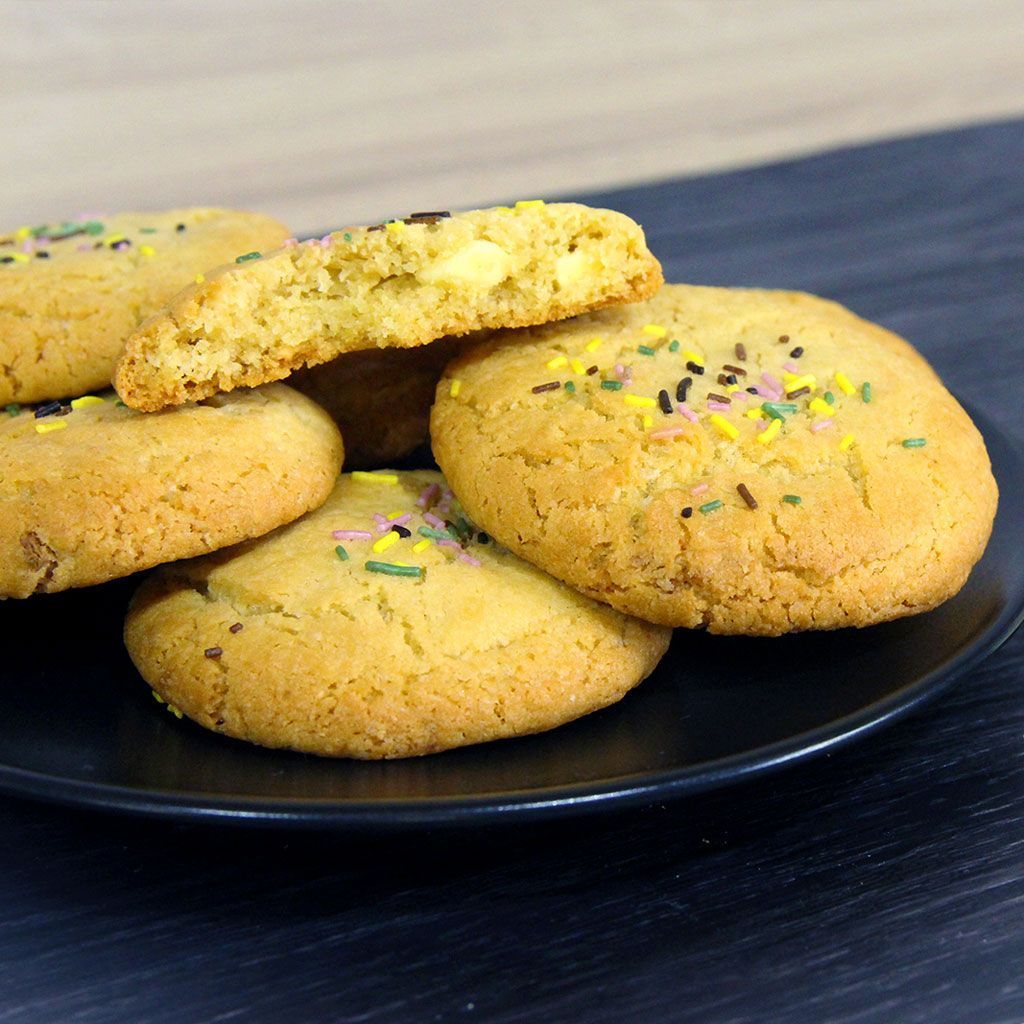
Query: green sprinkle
118	404
673	345
570	387
38	232
347	236
341	553
611	385
710	506
914	442
147	231
645	350
245	257
776	409
426	531
13	409
791	499
830	398
390	569
93	227
865	391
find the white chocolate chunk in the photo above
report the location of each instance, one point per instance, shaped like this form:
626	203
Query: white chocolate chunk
481	264
574	265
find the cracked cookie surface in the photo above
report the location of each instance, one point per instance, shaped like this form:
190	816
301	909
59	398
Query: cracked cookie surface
285	643
395	285
91	490
70	293
755	462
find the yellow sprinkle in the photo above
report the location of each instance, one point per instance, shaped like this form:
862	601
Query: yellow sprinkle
200	278
846	443
453	391
174	710
732	388
640	401
113	239
525	203
45	428
578	367
147	250
85	401
648	422
819	405
808	380
655	330
385	542
421	545
395	227
19	257
21	234
724	427
395	515
844	384
753	414
376	478
768	434
557	362
157	697
593	346
690	356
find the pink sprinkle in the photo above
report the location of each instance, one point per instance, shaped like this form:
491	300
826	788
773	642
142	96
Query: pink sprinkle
820	425
400	520
325	242
28	245
379	517
763	392
773	382
762	424
352	535
450	544
718	406
619	370
432	520
468	559
290	243
428	496
700	488
791	367
741	395
658	435
684	410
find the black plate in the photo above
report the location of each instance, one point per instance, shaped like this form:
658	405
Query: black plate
78	726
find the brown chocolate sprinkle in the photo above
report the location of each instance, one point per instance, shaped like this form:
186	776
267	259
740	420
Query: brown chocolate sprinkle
376	227
798	392
430	215
734	369
712	397
213	652
723	380
783	338
741	352
746	495
687	512
236	628
591	370
682	387
551	386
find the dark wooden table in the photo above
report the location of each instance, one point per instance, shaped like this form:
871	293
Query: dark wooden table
883	883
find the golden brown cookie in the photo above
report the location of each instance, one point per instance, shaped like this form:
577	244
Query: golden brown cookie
92	490
70	293
751	461
371	629
395	285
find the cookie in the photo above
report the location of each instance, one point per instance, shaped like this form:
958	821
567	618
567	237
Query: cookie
92	490
70	293
754	462
395	285
370	629
379	398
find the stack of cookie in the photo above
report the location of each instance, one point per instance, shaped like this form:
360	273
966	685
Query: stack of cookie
619	458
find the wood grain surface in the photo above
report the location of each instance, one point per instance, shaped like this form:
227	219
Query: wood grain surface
330	113
881	884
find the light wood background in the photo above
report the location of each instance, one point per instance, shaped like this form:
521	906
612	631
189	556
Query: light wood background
326	113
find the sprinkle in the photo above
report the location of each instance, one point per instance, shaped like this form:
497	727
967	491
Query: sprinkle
694	367
213	652
85	401
147	250
769	433
914	442
640	401
821	425
430	215
665	402
783	338
200	278
846	443
42	254
745	494
45	428
483	538
717	406
808	380
710	506
352	535
776	409
773	382
347	236
428	496
723	379
377	478
570	387
734	369
820	406
469	559
433	520
740	396
684	410
647	422
455	388
236	628
593	346
741	352
13	409
553	385
717	398
420	546
398	519
798	393
611	385
591	370
341	553
655	330
402	531
673	345
380	546
724	427
435	534
865	391
790	367
797	352
667	432
682	387
830	398
753	414
701	488
391	569
47	409
693	357
245	257
557	362
524	204
645	350
178	227
577	366
174	710
844	384
394	227
687	512
792	499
